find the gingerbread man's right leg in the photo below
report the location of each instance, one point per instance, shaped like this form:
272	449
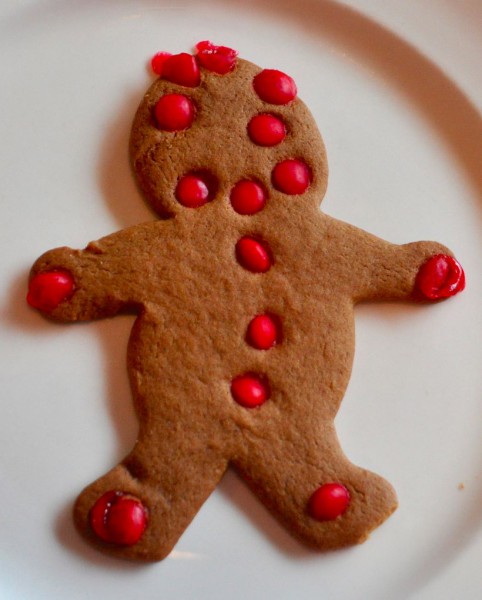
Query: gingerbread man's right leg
176	463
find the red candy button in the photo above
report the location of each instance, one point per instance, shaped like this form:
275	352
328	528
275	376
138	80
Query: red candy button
266	130
329	502
253	255
181	69
275	87
158	60
192	191
219	59
174	112
291	176
47	290
247	197
263	332
249	390
118	518
440	277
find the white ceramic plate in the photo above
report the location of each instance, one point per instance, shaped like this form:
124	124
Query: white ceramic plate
397	93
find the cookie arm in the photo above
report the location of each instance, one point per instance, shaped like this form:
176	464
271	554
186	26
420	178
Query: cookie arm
81	285
374	269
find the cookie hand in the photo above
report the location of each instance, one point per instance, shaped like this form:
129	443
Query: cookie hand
64	285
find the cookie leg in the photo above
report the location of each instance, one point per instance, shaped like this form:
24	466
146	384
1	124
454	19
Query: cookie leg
320	497
139	509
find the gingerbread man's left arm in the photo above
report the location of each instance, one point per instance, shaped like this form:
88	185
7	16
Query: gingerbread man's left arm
374	269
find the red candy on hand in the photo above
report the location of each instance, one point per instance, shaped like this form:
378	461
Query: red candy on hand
249	390
174	112
441	276
275	87
329	502
118	518
49	289
219	59
181	69
252	255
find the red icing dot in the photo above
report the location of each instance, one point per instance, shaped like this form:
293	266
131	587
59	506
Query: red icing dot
249	390
158	60
291	176
174	112
263	332
266	130
219	59
47	290
329	502
181	69
192	191
118	518
253	255
441	276
247	197
275	87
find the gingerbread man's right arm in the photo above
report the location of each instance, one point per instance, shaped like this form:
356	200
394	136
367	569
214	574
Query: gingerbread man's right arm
106	277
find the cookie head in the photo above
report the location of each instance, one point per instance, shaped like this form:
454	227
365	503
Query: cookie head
216	130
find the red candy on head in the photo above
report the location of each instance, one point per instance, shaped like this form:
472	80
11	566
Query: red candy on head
441	276
275	87
291	177
174	112
49	289
253	255
329	502
263	332
219	59
181	69
192	191
158	60
247	197
266	130
118	518
250	390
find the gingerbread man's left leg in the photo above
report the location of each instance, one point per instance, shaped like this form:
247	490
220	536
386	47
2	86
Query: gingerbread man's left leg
314	490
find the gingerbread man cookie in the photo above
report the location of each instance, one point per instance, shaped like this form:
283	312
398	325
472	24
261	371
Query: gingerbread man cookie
244	294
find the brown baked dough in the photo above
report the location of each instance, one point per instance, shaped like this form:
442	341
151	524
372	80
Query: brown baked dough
194	301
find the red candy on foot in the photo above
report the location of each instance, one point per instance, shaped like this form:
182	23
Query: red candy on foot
47	290
249	390
174	112
275	87
291	176
219	59
158	60
118	518
329	502
192	191
247	197
263	332
440	277
266	130
181	69
252	255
